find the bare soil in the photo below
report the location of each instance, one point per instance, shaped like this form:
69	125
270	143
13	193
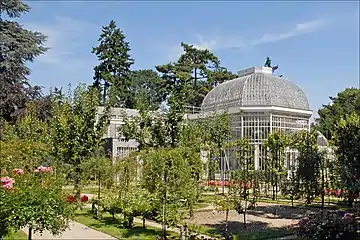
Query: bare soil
264	217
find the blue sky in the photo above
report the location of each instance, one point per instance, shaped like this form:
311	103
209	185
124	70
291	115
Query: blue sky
316	44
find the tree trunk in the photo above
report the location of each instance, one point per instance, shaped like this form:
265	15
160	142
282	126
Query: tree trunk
99	192
30	233
77	185
227	220
273	192
350	198
191	210
322	191
244	214
143	221
164	208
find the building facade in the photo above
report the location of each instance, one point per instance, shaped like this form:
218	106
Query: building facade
259	103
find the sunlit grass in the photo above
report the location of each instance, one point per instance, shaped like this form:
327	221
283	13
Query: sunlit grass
113	228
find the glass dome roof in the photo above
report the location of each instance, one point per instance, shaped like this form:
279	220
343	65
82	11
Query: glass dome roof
255	87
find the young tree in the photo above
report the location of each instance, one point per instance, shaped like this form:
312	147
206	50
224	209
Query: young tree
276	144
309	163
76	131
244	175
347	149
112	75
168	173
18	46
101	167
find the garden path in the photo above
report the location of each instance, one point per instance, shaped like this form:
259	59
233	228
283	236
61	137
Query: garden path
76	231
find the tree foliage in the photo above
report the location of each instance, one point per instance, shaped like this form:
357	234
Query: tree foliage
75	130
112	75
346	102
18	46
276	144
146	89
310	161
347	148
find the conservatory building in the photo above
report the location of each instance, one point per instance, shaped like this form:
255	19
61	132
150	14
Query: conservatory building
259	103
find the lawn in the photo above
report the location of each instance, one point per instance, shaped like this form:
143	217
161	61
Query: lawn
19	235
106	225
271	233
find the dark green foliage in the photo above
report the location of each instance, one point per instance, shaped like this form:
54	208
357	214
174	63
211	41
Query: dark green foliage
18	46
147	89
199	69
347	142
310	160
345	102
112	75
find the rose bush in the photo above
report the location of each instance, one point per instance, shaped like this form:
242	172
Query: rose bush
332	225
34	200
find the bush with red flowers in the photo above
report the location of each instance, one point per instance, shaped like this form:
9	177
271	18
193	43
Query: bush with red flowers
71	199
84	198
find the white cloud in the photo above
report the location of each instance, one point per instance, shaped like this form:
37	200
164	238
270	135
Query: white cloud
226	42
298	30
63	37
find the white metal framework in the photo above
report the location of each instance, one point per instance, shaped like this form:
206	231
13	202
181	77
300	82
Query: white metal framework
258	103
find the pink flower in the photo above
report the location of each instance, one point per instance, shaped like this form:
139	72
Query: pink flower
44	169
348	216
19	171
7	182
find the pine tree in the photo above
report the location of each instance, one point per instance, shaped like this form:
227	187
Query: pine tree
113	72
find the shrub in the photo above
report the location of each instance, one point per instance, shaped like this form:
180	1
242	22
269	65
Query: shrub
332	225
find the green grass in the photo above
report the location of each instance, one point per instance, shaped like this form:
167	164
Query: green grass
271	233
274	233
19	235
106	225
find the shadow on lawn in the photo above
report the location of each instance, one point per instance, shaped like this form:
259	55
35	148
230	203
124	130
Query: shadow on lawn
107	222
281	211
255	230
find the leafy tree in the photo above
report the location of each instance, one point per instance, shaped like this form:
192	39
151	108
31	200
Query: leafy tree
276	143
308	168
76	132
244	175
101	167
347	148
168	174
346	102
225	203
24	143
219	129
200	68
18	46
112	75
146	87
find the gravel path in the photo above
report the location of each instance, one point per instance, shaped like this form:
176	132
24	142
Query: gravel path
264	216
76	231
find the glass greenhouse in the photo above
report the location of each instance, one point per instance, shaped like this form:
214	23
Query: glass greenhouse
258	103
